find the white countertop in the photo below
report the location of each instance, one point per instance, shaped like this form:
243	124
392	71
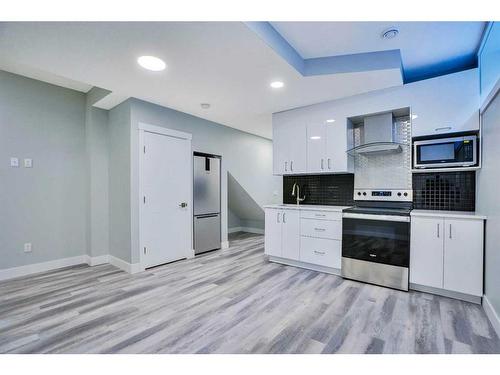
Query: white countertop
313	207
451	214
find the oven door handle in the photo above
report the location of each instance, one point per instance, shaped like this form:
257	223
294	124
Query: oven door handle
403	219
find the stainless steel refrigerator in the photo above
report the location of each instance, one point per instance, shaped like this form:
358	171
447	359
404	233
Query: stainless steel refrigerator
206	194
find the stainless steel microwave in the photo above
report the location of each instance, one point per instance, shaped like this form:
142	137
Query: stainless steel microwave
446	152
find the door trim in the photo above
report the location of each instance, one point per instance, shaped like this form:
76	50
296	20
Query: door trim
164	131
148	128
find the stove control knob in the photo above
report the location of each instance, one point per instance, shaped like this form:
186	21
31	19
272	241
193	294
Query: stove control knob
364	193
359	193
405	194
399	194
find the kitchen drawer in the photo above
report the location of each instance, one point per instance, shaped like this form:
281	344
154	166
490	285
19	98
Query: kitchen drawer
322	215
331	229
321	251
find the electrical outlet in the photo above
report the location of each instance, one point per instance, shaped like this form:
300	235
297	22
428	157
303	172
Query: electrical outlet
14	162
27	247
28	163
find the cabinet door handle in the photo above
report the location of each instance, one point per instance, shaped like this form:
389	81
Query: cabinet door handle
319	229
284	217
443	128
291	165
278	218
322	164
286	166
449	234
329	163
319	252
319	215
438	231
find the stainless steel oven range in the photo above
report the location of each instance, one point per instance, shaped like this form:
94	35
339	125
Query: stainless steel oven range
376	238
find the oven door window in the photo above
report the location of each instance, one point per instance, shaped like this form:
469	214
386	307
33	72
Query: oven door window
386	242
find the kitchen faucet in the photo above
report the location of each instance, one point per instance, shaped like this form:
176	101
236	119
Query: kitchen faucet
297	194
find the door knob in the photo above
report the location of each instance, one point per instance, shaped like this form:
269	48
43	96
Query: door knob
183	204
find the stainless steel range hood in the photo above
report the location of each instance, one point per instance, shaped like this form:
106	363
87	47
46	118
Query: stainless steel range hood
378	136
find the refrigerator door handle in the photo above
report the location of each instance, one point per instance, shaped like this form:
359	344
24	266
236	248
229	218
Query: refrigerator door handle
206	215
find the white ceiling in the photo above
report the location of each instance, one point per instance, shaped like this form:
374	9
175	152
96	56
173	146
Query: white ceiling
224	64
421	43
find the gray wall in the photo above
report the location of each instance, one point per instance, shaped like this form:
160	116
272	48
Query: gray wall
96	138
44	205
119	182
233	221
247	157
488	203
81	196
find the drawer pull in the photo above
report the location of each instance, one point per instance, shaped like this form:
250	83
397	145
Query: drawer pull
319	252
319	215
373	255
320	229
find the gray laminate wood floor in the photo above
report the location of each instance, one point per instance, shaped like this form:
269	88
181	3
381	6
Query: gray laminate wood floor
230	301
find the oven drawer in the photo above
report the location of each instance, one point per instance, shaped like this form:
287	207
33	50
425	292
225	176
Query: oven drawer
321	228
322	215
321	251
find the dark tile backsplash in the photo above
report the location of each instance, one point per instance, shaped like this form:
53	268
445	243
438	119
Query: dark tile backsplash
451	191
332	190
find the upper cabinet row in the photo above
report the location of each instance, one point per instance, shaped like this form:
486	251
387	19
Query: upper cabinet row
315	139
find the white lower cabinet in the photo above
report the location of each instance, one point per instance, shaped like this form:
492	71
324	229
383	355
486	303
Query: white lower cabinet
447	253
321	251
304	235
290	235
426	251
282	233
463	256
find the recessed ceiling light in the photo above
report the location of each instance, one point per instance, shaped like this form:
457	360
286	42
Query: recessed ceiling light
413	117
151	63
390	33
277	84
205	105
330	120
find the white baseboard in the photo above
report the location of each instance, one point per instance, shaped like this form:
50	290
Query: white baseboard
125	266
10	273
246	229
224	245
95	261
491	314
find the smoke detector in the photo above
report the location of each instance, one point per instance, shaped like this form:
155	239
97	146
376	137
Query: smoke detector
390	33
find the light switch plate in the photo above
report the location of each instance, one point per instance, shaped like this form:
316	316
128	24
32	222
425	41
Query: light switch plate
28	163
27	247
14	162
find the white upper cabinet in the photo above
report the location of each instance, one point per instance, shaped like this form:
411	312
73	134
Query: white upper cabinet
297	151
326	147
316	148
445	104
289	148
336	158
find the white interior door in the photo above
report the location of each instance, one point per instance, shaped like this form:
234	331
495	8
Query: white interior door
166	187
